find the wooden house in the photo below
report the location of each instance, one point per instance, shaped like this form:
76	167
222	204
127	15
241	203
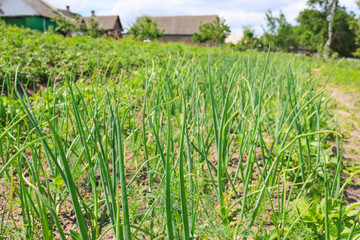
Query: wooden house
181	28
34	14
111	25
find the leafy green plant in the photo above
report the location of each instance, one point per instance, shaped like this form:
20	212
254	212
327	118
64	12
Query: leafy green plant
312	218
248	41
215	31
94	29
279	35
64	24
146	29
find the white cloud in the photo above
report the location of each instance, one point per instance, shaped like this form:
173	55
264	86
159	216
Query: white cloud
75	6
238	13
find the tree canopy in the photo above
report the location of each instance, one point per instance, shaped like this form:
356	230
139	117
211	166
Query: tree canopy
216	31
146	28
355	27
279	34
94	30
325	27
67	25
64	24
312	29
249	40
343	39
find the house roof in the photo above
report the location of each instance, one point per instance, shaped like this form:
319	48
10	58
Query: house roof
182	25
68	13
42	7
105	22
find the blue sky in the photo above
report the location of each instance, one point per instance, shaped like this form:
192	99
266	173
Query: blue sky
238	13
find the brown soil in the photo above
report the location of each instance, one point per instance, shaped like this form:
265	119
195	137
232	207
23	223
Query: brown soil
347	115
30	90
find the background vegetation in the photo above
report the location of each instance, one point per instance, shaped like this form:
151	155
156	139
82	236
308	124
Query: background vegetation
311	33
146	29
216	31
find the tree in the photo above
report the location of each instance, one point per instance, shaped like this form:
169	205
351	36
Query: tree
329	7
279	34
248	41
216	31
146	28
355	26
343	36
312	29
286	38
270	31
64	24
94	30
330	28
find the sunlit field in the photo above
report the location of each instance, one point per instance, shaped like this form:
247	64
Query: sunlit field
104	139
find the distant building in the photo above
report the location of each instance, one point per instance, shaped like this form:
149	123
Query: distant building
34	14
181	28
111	25
37	14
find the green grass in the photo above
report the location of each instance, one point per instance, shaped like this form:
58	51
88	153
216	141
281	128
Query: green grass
154	141
345	77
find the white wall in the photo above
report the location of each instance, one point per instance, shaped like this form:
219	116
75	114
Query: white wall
17	8
233	39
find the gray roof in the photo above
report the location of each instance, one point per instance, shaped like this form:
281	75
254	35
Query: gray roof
105	22
182	25
42	7
68	14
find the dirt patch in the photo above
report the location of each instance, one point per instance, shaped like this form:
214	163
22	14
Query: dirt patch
347	115
30	89
352	194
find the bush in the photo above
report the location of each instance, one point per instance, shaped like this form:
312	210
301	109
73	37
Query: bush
146	29
216	31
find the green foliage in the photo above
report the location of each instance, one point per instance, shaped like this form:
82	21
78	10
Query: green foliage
248	41
345	77
64	24
313	32
344	37
94	30
286	38
67	25
312	219
39	59
355	27
146	29
279	35
216	31
324	4
312	29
